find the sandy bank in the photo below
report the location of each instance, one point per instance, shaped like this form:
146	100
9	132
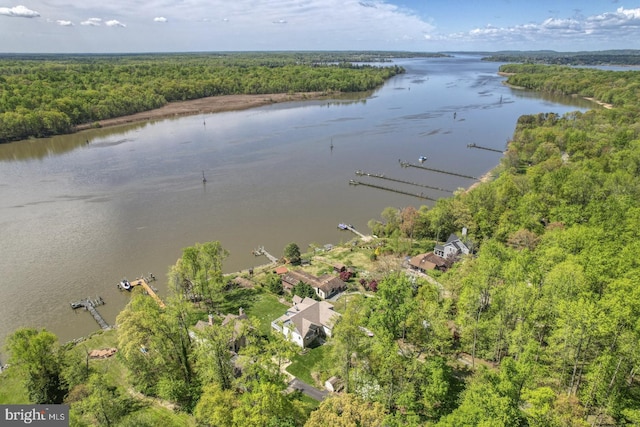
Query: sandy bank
213	104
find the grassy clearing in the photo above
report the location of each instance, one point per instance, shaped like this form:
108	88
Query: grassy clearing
12	390
266	308
303	365
157	416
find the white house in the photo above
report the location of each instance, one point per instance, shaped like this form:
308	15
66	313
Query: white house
452	248
306	320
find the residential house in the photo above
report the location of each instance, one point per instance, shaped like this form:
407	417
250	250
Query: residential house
452	248
428	261
238	338
306	321
325	286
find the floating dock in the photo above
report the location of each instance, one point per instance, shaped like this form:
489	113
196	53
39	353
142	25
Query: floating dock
143	282
90	305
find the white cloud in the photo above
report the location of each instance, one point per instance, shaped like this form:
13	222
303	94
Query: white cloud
19	12
602	28
93	22
325	25
114	23
63	23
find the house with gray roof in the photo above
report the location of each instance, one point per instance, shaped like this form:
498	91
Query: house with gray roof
306	321
452	248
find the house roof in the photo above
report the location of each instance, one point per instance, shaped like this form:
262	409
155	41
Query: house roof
307	314
427	261
452	238
281	270
295	276
330	284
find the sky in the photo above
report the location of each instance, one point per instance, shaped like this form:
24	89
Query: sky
123	26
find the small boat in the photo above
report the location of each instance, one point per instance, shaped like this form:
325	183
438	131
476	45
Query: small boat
75	305
422	159
124	284
342	226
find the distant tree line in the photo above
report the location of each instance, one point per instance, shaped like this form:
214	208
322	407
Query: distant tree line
619	88
44	96
609	57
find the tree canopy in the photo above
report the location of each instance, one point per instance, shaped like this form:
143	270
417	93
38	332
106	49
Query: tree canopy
48	95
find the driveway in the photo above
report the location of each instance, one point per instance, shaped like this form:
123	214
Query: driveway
310	391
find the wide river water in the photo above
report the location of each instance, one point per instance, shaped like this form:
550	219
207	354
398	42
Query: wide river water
80	212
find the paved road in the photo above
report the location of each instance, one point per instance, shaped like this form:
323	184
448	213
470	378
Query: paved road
310	391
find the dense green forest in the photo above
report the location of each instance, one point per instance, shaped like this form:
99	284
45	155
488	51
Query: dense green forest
605	57
50	94
539	327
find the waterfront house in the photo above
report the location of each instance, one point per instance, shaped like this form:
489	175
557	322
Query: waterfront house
324	286
306	321
238	337
452	248
428	261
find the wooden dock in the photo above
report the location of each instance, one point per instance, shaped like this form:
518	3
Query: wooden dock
261	251
90	305
348	227
474	145
410	165
143	282
380	176
380	187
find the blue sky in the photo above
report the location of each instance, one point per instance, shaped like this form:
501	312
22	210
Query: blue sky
70	26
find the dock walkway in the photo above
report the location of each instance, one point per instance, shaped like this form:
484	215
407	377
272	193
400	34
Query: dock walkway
349	227
90	305
262	251
143	282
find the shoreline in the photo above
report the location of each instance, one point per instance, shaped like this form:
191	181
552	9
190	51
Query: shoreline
212	104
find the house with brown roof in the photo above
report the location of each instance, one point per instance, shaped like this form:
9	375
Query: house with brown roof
306	321
325	286
428	261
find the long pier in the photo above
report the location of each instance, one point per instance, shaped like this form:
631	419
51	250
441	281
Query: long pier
410	165
420	196
474	145
90	305
380	176
143	282
353	230
262	251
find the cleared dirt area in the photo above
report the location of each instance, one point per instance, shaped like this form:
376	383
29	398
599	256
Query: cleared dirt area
213	104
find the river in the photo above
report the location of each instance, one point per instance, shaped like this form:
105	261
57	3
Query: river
80	212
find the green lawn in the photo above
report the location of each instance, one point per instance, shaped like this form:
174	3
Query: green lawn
266	308
304	364
12	390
